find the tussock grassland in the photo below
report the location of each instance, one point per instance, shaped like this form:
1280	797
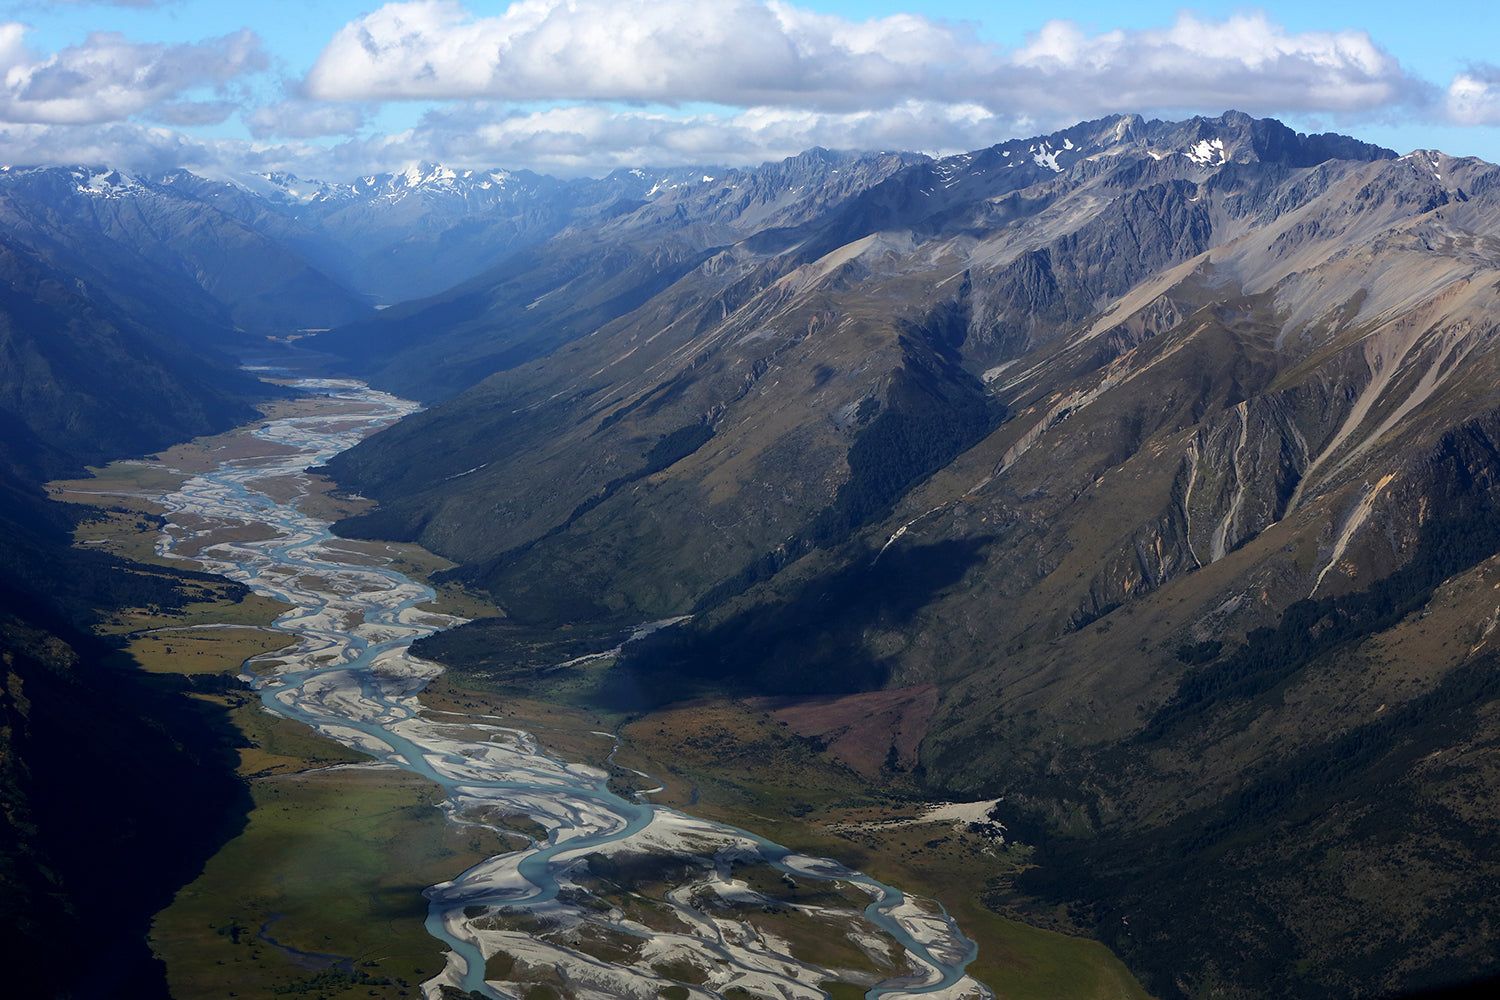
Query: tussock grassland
332	864
320	894
321	891
201	650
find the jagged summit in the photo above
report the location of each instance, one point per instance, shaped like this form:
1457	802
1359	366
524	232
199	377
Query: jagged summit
429	178
1233	137
95	180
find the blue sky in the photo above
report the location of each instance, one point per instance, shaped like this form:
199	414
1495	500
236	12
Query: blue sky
328	88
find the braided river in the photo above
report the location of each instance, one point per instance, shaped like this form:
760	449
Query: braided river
348	673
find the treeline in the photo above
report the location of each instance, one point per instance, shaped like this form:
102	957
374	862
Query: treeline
899	448
558	606
934	411
806	640
511	656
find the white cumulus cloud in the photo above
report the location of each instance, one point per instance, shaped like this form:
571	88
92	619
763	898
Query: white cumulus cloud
125	145
109	78
746	53
1474	96
592	138
580	86
1245	61
737	52
294	119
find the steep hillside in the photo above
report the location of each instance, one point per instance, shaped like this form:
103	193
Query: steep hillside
115	789
83	379
113	786
787	353
1167	450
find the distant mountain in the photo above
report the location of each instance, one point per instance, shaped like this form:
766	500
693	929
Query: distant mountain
277	254
1169	451
644	233
274	253
163	250
420	231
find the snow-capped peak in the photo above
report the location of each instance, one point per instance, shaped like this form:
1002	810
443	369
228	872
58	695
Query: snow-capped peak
104	182
282	187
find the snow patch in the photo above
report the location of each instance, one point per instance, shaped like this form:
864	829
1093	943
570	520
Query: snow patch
1207	152
1046	156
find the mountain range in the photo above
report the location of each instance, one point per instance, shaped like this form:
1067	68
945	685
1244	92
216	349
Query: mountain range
1165	453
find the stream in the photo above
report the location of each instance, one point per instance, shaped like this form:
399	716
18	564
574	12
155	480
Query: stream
348	673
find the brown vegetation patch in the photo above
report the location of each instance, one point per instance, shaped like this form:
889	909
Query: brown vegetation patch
206	454
874	732
227	535
202	649
321	500
283	488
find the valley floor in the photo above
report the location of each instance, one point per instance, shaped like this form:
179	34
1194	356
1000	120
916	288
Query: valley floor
321	892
